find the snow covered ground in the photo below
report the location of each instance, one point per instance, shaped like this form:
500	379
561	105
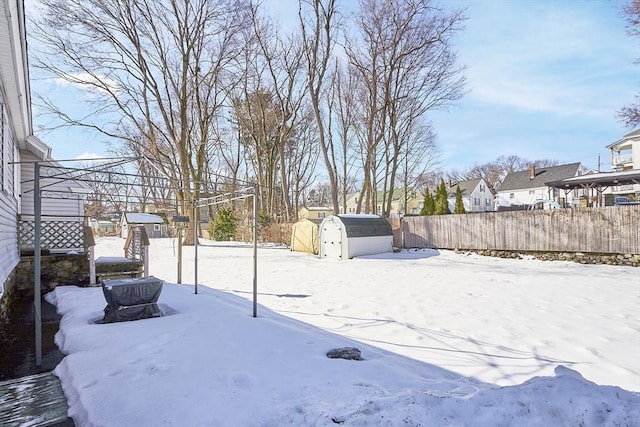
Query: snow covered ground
446	339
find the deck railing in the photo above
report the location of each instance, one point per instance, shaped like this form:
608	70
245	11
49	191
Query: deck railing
137	247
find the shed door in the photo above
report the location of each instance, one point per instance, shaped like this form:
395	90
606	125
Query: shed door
332	240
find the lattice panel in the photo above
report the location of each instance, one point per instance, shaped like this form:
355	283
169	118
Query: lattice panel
53	235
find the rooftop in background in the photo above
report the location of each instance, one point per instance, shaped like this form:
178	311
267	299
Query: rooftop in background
523	179
466	188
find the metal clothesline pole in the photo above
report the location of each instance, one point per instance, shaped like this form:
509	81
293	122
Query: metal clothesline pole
213	201
255	250
195	244
37	212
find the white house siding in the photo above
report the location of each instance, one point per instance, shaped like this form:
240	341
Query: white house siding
524	187
525	197
9	255
57	200
476	196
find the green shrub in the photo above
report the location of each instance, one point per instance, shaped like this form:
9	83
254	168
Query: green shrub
459	207
429	205
223	226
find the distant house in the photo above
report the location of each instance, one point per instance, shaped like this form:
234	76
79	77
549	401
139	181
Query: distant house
62	197
521	189
314	212
155	225
104	227
401	203
476	196
625	152
625	156
352	203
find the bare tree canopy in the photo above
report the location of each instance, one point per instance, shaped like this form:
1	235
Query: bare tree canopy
156	69
205	88
405	65
494	172
630	114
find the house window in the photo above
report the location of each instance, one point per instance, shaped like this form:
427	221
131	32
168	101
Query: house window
476	201
156	227
487	202
511	195
532	191
352	209
321	215
481	188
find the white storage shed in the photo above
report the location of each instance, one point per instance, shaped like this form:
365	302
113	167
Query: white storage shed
348	236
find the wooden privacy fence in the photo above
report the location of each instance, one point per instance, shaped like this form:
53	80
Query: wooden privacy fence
611	229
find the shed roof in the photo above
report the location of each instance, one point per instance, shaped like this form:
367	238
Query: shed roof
365	225
317	208
521	180
143	218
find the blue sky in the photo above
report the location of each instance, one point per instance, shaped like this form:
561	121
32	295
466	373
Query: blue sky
545	79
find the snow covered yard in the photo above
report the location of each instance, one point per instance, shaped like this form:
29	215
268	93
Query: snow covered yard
447	339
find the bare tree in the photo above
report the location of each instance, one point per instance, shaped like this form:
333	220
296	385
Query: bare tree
407	67
318	40
630	114
418	159
156	67
495	171
341	103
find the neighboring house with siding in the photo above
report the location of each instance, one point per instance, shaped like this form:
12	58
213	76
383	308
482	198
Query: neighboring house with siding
20	149
61	197
476	196
16	134
314	212
411	199
523	188
625	156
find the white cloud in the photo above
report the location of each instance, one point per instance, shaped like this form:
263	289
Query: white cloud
88	156
88	82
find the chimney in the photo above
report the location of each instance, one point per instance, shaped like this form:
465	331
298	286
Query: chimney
532	171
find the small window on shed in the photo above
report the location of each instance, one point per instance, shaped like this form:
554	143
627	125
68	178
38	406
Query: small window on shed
511	195
321	214
156	227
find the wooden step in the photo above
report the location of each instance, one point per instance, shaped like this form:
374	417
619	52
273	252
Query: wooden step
35	400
